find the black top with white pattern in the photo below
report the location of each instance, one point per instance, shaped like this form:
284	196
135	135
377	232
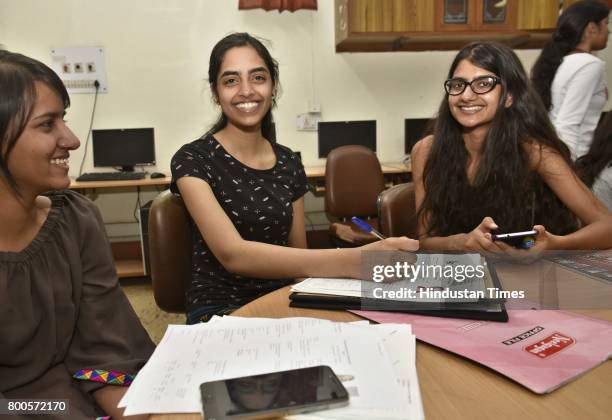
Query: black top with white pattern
259	204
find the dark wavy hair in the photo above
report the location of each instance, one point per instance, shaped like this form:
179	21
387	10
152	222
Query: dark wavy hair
599	156
505	185
18	75
570	28
241	39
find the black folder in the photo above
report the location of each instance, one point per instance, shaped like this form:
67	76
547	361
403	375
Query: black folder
484	309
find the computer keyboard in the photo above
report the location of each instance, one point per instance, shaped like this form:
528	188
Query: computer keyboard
110	176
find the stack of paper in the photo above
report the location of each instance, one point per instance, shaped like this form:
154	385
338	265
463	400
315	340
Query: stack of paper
378	360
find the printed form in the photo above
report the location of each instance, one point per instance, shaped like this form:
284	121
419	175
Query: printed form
234	347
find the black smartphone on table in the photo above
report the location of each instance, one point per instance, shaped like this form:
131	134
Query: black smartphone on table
523	240
273	395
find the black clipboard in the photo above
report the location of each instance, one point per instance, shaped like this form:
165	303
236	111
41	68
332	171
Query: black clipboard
484	309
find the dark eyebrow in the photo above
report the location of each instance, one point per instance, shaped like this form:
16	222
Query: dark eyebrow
475	78
236	73
50	114
258	69
230	73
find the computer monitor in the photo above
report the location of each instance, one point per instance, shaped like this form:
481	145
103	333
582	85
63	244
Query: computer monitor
334	134
414	130
125	147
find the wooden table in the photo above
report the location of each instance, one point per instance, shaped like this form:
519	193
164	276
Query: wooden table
394	173
457	388
313	173
130	183
127	255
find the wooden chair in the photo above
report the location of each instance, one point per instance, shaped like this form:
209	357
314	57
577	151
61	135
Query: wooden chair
353	180
397	211
170	247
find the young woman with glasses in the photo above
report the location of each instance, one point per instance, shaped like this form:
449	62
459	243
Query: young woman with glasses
495	164
570	80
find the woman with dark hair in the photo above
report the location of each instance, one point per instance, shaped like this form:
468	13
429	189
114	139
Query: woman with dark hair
595	168
494	163
570	80
245	193
68	331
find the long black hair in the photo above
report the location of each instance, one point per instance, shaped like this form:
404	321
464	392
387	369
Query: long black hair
241	39
599	156
18	75
570	28
505	185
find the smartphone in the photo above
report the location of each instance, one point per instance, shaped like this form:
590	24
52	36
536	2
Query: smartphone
523	240
273	395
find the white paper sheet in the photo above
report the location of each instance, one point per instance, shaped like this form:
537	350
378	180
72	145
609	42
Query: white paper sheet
401	347
190	355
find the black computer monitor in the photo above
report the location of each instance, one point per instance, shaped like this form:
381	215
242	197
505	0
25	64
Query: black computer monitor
125	147
334	134
414	130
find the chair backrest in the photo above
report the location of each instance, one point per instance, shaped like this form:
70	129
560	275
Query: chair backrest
353	180
170	247
397	211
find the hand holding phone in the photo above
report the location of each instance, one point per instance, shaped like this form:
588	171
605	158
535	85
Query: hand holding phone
521	240
273	395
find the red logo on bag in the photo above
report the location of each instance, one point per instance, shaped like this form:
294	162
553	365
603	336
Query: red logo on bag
550	345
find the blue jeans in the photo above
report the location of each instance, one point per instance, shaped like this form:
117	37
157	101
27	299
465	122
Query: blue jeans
204	313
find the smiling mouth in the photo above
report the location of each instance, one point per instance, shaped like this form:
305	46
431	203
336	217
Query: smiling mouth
470	109
247	106
63	162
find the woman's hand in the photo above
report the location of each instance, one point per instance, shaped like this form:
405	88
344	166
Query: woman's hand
544	241
401	243
361	266
480	239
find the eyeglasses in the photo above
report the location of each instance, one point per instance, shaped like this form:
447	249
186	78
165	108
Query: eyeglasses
479	85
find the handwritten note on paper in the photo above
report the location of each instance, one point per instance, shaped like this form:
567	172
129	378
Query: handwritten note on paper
190	355
401	347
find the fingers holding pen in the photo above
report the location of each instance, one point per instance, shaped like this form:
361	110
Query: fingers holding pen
402	243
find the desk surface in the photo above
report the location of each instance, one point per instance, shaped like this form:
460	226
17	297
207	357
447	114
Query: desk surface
391	168
145	182
312	172
455	387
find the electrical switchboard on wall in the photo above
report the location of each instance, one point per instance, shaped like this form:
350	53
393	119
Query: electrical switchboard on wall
80	67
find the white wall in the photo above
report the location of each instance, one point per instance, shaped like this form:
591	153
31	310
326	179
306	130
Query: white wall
157	59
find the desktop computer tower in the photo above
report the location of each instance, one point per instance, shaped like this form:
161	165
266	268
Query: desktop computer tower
144	237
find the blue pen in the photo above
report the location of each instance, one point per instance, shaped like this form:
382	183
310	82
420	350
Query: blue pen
366	227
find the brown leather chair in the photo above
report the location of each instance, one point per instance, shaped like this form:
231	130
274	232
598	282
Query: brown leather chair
397	211
353	180
170	247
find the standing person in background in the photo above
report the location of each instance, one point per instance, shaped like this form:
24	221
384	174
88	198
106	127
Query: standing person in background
67	331
570	80
245	193
595	168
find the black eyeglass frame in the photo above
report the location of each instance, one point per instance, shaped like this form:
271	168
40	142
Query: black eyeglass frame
496	81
